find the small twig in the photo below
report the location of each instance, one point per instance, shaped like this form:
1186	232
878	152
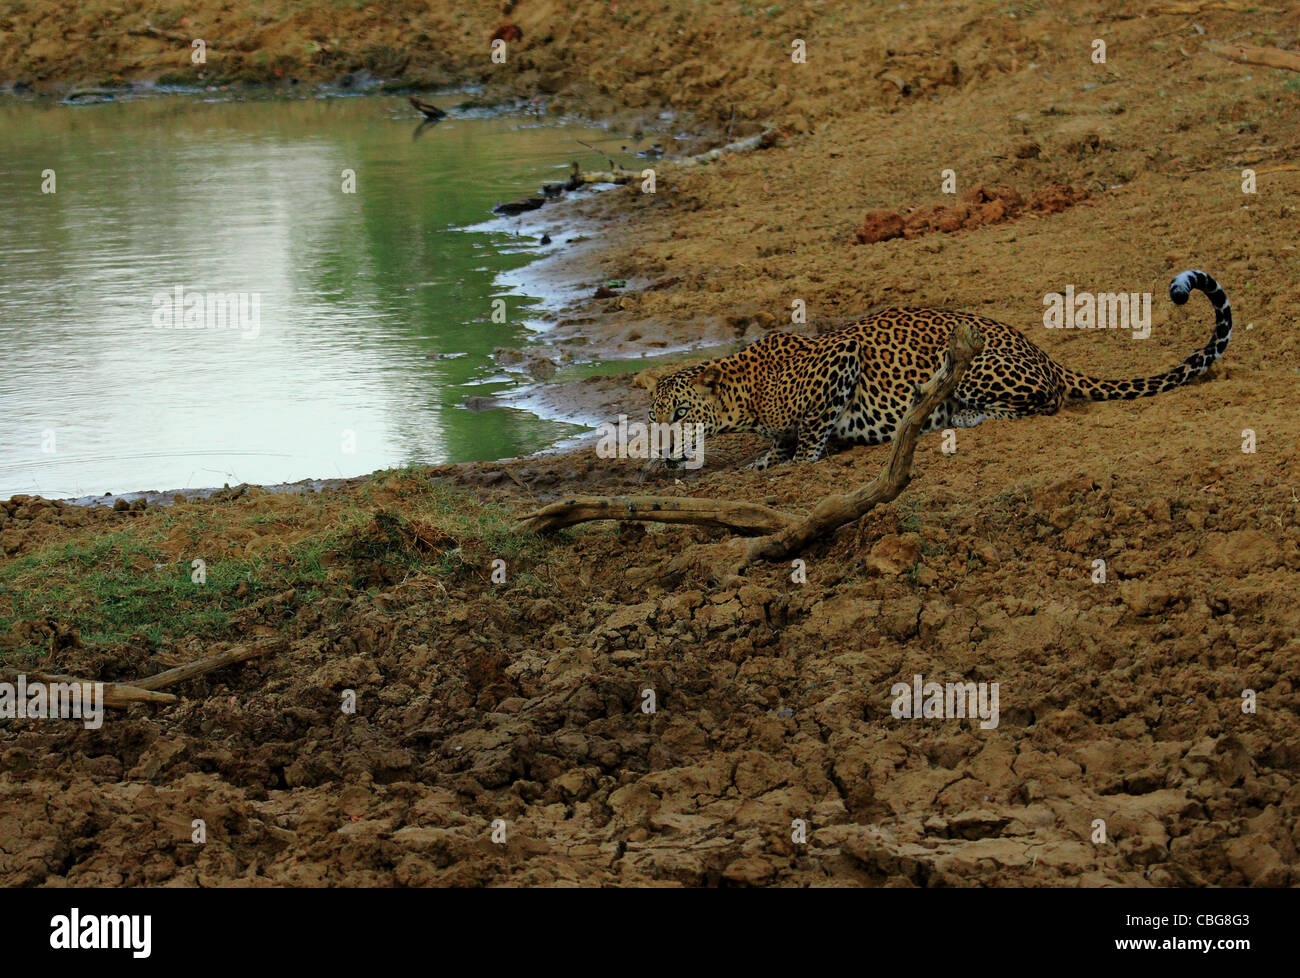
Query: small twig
612	164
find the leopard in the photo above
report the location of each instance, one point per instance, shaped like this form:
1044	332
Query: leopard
855	383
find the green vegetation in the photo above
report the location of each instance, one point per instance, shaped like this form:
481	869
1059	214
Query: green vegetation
140	580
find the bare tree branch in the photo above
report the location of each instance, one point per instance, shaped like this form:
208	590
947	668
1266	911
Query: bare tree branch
116	695
240	653
121	695
723	513
1251	55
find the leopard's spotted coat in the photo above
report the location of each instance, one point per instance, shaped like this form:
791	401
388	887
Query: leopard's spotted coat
856	382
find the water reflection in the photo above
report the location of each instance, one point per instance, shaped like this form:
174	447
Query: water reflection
355	290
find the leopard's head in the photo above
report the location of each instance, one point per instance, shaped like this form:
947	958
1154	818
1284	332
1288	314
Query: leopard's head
695	398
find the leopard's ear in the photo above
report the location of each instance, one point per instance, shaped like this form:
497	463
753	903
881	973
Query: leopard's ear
646	379
708	380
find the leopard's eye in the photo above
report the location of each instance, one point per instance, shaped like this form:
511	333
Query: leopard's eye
679	413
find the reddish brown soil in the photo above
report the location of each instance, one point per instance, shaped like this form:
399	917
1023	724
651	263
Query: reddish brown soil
978	207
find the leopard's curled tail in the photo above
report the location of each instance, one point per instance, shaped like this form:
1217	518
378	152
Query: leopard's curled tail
1079	387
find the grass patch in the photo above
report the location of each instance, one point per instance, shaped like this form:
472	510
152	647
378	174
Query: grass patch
141	580
113	586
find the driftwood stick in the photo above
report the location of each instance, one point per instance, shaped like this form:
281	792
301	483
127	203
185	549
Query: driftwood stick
88	93
608	176
619	175
1249	54
761	140
120	695
743	517
240	653
116	695
150	31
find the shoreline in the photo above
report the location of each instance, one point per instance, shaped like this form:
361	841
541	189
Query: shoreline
561	277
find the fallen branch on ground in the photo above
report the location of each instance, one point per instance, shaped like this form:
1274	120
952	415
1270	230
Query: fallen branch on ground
760	140
240	653
121	695
150	31
1248	54
117	695
618	175
784	534
723	513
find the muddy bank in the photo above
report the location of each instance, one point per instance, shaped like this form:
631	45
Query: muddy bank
522	700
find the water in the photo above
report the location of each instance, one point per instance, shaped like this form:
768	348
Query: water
354	291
